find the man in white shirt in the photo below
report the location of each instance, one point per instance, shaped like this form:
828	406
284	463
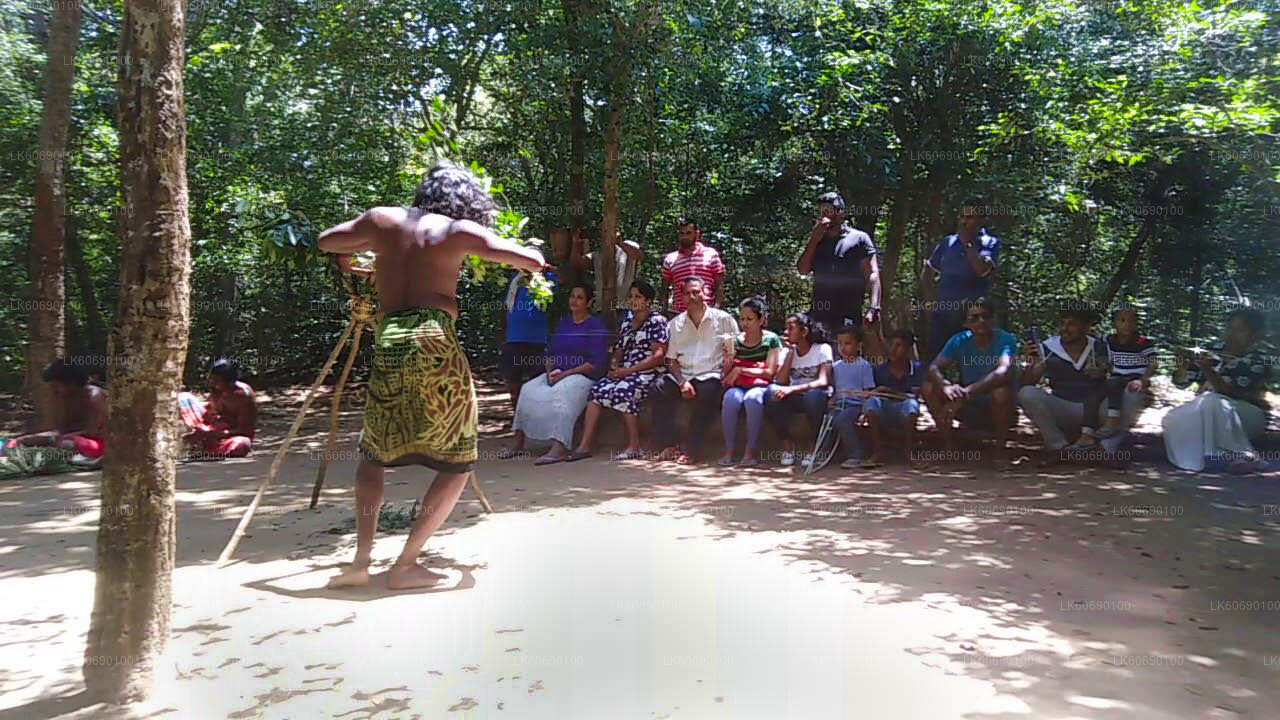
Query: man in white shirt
695	363
627	259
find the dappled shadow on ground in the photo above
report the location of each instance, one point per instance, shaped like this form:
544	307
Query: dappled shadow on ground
1073	585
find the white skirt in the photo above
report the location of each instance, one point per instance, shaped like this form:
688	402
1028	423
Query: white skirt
1211	425
549	412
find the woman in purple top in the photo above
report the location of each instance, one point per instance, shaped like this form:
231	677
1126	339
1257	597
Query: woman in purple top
550	404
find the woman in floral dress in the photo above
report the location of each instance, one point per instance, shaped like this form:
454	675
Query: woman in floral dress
639	357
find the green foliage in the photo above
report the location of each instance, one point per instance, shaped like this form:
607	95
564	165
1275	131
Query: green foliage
1140	130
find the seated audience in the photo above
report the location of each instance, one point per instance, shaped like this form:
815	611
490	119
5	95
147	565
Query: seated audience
753	362
639	358
802	383
225	425
852	378
1132	361
1074	363
551	402
901	377
1230	412
79	413
984	397
695	366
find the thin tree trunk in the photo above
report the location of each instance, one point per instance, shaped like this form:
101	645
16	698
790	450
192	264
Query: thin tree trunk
1127	266
132	596
607	283
577	157
47	323
96	341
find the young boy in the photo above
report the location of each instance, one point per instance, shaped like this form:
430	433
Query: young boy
899	377
421	406
1132	361
852	377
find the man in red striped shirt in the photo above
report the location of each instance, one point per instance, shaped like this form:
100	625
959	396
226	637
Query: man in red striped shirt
692	259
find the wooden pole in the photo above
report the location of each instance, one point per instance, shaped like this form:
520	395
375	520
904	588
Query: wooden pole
333	412
475	485
227	551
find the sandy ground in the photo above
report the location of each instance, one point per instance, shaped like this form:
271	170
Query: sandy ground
642	590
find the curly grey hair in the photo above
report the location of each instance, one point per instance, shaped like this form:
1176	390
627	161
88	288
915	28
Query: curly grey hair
454	192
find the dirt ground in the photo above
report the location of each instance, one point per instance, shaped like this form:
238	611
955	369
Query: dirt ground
647	590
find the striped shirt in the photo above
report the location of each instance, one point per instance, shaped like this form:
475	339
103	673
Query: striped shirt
1129	360
699	261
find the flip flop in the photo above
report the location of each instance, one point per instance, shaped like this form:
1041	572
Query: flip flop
550	460
576	455
749	462
870	464
668	454
629	455
726	462
685	459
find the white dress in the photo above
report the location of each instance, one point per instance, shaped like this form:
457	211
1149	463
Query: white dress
549	412
1212	425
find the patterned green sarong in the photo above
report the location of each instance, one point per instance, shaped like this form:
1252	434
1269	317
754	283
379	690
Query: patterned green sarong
421	407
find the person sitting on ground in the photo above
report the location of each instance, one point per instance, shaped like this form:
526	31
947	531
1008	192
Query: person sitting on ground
802	383
853	378
753	359
627	257
984	396
524	335
79	414
225	425
1231	410
695	366
639	358
551	402
1075	364
899	377
1132	359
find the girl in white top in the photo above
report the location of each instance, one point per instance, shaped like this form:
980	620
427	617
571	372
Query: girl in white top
802	382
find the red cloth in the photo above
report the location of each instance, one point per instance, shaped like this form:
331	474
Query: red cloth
750	381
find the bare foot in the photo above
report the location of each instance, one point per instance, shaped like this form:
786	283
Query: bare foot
404	577
350	576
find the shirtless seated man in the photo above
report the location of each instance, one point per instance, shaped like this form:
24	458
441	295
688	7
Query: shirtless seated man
225	425
421	407
79	413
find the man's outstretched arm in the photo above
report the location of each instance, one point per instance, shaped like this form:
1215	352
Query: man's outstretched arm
480	241
352	236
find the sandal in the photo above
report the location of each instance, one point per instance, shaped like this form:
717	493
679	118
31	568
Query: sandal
577	455
726	461
668	454
685	459
629	454
749	462
549	459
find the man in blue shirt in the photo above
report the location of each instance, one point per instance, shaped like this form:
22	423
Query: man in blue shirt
985	396
961	266
524	336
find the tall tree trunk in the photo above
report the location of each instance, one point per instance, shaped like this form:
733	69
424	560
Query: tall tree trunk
47	324
1127	265
96	342
577	156
651	179
132	597
607	283
891	252
577	117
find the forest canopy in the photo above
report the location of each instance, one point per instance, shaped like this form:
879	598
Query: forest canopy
1126	150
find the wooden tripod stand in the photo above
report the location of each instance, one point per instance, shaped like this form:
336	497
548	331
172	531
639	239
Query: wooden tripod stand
361	315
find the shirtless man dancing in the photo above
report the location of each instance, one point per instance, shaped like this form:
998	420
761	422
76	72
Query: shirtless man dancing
421	407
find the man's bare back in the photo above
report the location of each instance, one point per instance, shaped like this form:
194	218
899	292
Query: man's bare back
419	254
237	409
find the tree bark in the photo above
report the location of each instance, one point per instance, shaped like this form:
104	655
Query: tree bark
47	323
132	596
1127	266
577	119
607	283
96	342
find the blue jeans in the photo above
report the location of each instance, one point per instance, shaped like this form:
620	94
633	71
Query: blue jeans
893	412
735	399
845	418
813	403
